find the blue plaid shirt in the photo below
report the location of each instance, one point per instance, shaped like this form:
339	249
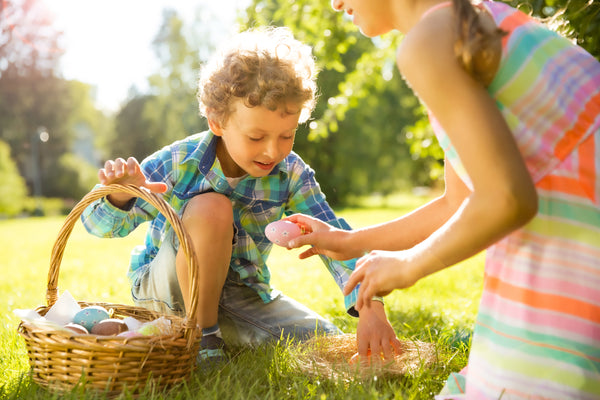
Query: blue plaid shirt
190	167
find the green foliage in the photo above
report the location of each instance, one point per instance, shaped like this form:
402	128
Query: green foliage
72	177
132	134
173	112
90	126
33	97
577	19
12	186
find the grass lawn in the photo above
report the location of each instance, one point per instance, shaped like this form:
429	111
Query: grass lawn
439	309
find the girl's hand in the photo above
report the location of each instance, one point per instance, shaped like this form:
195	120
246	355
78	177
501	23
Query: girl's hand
126	172
380	272
324	239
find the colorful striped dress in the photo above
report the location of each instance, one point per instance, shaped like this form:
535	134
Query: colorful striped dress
537	334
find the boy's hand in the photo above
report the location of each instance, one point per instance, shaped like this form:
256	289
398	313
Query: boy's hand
126	172
375	336
324	239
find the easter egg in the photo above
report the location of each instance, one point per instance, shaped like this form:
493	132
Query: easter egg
130	334
357	359
282	231
77	328
132	323
90	316
108	327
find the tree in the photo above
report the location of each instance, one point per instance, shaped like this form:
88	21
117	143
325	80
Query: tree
134	134
32	97
578	19
170	111
13	191
27	39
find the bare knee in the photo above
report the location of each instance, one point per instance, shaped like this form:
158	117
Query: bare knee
209	210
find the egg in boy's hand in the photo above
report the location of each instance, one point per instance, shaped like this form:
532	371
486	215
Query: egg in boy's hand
282	231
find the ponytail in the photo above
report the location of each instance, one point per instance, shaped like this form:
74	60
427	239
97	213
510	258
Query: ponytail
477	49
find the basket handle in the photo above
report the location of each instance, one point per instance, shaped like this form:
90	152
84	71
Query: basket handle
164	208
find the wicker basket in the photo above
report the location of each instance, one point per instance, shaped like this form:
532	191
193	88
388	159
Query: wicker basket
61	361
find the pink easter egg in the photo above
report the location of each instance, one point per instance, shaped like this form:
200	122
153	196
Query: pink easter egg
282	231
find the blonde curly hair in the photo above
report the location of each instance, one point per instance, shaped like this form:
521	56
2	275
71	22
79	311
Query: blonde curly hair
264	67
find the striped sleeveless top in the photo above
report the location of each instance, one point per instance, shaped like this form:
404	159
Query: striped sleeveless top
537	333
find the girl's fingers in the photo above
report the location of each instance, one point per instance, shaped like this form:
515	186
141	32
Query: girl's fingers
363	301
365	293
300	241
308	253
300	218
355	278
307	223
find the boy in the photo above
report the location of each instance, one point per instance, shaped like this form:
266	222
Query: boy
227	184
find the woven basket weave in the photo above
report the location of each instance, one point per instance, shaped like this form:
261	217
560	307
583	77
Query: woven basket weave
61	361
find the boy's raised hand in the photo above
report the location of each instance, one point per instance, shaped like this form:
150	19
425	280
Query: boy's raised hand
126	172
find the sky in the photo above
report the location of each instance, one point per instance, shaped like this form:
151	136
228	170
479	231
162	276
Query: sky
107	43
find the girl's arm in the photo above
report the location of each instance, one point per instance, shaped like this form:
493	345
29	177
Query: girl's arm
503	197
399	234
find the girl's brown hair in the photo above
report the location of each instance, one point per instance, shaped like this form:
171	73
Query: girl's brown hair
262	67
478	48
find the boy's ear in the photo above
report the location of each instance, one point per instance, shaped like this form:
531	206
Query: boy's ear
215	127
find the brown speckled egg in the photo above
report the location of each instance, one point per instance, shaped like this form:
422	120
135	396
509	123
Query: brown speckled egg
108	327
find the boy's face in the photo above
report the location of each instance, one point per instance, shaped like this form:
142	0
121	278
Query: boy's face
255	139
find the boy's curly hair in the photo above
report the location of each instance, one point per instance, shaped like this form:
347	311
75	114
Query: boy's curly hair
263	67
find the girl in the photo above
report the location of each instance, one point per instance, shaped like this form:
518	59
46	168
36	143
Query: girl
516	108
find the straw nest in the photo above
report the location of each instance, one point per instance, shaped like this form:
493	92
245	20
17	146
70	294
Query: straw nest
329	356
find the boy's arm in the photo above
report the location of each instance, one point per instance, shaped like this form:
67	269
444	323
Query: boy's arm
104	219
374	331
306	197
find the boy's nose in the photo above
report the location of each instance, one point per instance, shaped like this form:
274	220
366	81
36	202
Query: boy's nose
271	150
337	4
